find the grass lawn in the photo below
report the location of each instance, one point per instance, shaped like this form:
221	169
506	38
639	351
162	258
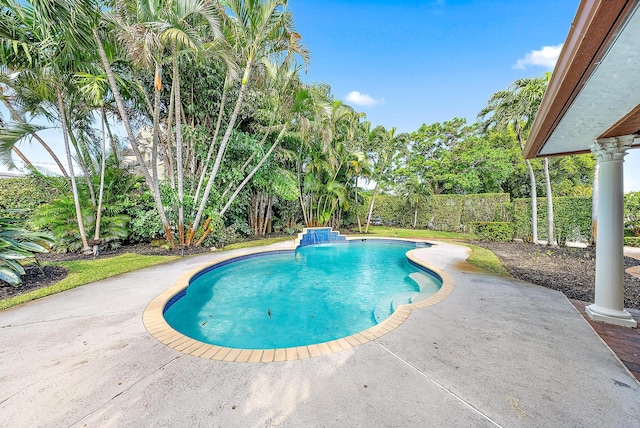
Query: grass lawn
396	232
257	243
481	257
85	271
485	259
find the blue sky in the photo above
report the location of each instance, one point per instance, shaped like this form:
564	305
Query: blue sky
426	61
405	63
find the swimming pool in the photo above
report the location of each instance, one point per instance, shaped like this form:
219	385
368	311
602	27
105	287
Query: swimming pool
388	313
315	294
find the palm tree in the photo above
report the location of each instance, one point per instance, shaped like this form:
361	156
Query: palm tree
416	192
50	35
14	70
386	147
95	88
259	29
359	162
135	21
516	107
360	165
181	32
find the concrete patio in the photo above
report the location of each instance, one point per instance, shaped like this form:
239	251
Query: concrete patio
496	352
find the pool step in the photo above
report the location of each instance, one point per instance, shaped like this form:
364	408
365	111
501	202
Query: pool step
382	310
400	300
426	283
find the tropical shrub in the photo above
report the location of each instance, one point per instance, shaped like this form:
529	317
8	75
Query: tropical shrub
632	212
493	231
145	224
16	245
59	217
632	241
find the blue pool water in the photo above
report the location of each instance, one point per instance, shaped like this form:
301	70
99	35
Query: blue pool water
317	294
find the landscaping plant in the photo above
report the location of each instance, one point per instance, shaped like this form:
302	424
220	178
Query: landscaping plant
16	245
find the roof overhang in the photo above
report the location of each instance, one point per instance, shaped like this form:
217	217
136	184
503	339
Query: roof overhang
594	91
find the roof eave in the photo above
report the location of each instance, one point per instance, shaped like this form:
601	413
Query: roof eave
592	32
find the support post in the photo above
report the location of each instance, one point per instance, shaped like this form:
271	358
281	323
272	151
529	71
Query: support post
609	287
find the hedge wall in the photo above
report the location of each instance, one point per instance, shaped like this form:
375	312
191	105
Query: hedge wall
455	213
24	193
451	213
572	218
493	230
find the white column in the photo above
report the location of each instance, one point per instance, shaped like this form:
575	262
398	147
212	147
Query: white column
609	293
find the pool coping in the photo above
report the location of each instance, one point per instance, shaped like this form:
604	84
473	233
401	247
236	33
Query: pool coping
155	323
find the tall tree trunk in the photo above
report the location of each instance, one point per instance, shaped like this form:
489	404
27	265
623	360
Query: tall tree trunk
22	157
179	163
415	216
373	198
155	111
96	245
83	167
551	235
205	167
221	150
74	187
172	170
534	203
112	140
260	214
267	215
255	200
300	193
153	185
19	118
594	205
358	207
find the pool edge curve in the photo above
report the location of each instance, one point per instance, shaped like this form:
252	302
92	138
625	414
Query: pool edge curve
155	323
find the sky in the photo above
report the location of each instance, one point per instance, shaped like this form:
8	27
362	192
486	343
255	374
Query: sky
405	63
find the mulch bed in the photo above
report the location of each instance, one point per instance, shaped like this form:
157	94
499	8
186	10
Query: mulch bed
36	277
569	270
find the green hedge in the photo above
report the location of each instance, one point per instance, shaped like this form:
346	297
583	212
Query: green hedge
449	213
493	231
632	241
24	193
572	218
456	213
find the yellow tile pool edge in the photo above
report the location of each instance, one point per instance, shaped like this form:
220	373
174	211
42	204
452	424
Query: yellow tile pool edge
155	323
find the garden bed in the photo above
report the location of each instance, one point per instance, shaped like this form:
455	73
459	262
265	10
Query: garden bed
566	269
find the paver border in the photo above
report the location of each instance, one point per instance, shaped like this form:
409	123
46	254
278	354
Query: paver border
155	323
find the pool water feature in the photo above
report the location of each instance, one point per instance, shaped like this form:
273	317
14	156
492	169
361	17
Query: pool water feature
319	235
316	294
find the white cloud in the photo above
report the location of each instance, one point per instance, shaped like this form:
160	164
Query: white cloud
359	99
544	57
